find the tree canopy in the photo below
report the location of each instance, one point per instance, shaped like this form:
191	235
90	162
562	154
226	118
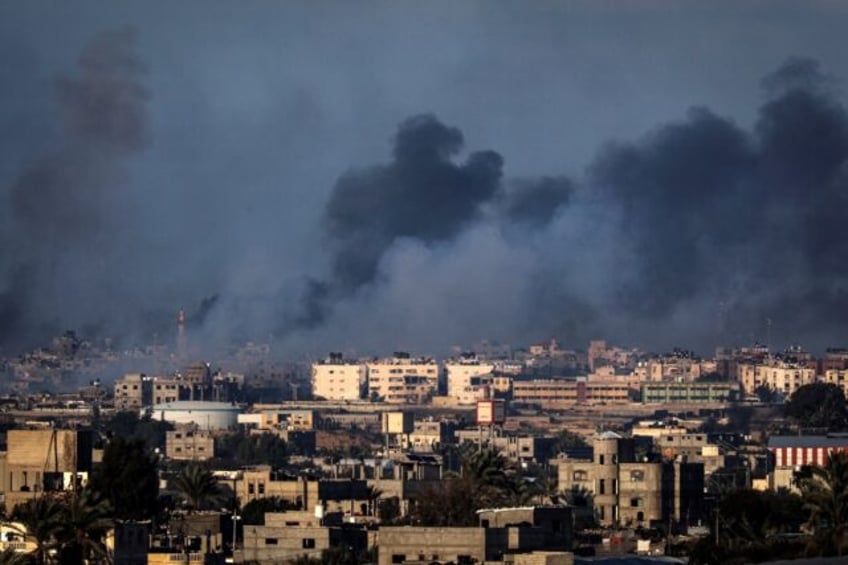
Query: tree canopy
128	478
818	405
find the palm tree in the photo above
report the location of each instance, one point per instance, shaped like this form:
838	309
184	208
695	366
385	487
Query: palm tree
825	495
41	520
85	521
197	486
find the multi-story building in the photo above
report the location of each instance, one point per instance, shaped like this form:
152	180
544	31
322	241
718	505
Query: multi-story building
328	495
468	379
168	389
678	366
835	359
838	377
38	461
626	491
403	379
688	393
338	379
782	377
692	448
133	392
516	447
136	391
561	393
189	443
601	354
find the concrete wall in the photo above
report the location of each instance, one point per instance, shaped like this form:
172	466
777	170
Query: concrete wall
431	544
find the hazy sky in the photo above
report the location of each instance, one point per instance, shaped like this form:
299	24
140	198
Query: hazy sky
249	151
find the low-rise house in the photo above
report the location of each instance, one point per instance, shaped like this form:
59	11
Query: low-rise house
286	536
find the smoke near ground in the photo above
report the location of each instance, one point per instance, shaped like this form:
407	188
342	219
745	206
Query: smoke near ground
691	234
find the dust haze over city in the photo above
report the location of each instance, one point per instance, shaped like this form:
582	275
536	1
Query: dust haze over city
392	176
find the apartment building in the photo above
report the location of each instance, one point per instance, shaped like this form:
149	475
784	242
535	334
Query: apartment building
837	377
403	379
515	447
468	379
679	366
639	493
168	389
338	379
692	448
781	377
133	392
189	443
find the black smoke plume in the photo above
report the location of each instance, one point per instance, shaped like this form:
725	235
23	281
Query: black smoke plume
423	194
535	202
711	213
64	205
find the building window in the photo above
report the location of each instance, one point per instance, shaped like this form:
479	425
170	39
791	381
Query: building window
251	488
637	476
602	486
308	543
580	476
636	502
270	541
600	459
397	558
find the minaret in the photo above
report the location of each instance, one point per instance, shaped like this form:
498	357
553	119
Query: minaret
181	335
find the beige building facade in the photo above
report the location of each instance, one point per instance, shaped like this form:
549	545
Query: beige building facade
468	380
337	379
782	378
403	380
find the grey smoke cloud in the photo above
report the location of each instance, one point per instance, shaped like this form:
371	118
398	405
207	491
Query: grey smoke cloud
63	204
258	190
423	194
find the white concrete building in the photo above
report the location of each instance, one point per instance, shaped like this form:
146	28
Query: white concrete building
403	379
337	379
468	379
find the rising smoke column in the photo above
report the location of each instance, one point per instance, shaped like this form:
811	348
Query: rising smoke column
713	213
65	205
423	194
